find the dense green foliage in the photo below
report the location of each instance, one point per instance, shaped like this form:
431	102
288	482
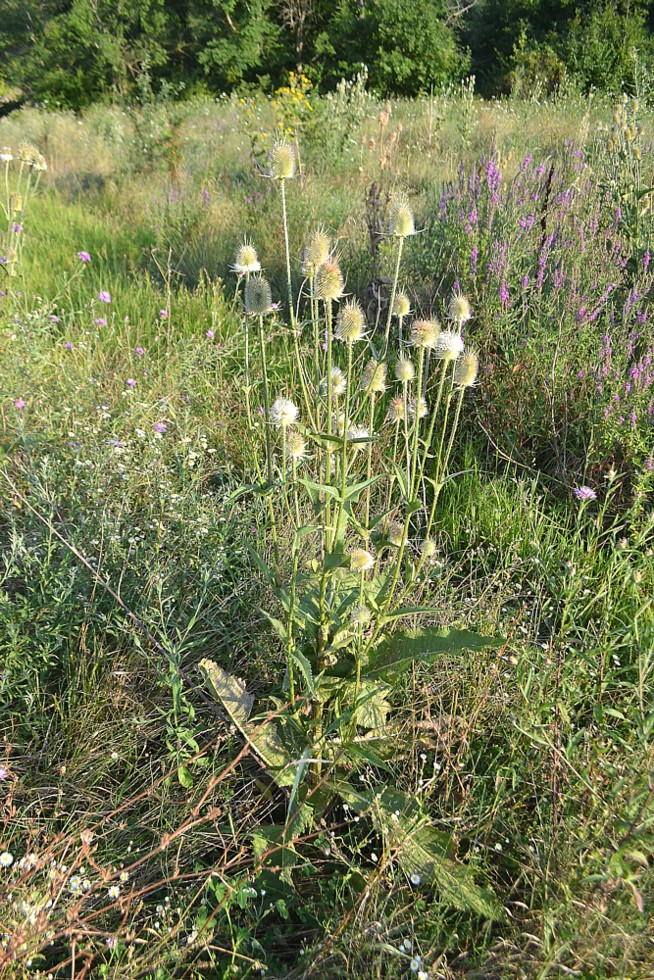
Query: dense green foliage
71	53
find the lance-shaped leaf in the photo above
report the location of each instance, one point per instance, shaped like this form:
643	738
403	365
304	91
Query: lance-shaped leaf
395	653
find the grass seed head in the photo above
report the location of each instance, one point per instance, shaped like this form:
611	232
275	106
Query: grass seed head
258	298
351	323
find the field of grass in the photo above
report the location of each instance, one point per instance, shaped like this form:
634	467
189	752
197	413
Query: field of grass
355	693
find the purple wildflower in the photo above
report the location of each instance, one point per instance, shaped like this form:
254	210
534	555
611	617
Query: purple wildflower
140	351
163	314
104	296
19	404
68	345
101	322
4	772
584	493
210	334
16	228
84	256
160	427
55	319
131	382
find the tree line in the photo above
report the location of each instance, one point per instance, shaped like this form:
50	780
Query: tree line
75	52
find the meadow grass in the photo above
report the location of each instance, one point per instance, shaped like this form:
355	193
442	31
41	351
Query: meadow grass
142	834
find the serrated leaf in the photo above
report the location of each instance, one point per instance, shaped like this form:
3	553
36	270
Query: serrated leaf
397	652
304	666
229	690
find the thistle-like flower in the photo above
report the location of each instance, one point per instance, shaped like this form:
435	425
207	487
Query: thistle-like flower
404	370
283	412
449	345
459	309
27	154
466	369
394	533
373	381
422	408
395	411
339	383
361	560
258	298
281	160
6	156
360	616
351	323
401	304
355	434
400	218
315	252
329	282
424	333
246	258
428	549
296	446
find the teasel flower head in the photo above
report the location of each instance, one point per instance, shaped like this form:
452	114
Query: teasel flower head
329	283
424	333
6	156
394	533
246	259
449	345
400	218
459	309
339	383
39	162
467	369
395	411
401	304
283	412
422	408
404	370
315	252
361	560
281	160
258	298
373	381
360	616
296	446
27	154
355	433
351	323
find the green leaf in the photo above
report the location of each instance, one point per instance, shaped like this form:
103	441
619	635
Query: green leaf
184	777
319	488
395	653
400	476
304	666
229	690
355	491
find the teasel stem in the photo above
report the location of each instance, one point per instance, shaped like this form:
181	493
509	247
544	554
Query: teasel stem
295	493
291	613
400	339
266	400
389	315
247	362
434	416
330	395
413	489
372	397
346	422
358	656
445	463
288	255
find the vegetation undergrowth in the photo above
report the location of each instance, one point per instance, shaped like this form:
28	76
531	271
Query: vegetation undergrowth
325	611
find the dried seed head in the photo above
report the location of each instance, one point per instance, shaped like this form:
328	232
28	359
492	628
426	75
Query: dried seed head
401	304
449	345
361	560
258	298
283	412
315	252
459	309
39	162
356	433
281	160
424	333
246	258
329	280
404	369
351	323
422	408
400	218
15	203
339	383
373	381
395	411
467	369
296	447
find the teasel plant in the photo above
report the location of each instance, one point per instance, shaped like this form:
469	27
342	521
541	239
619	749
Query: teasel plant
351	475
22	174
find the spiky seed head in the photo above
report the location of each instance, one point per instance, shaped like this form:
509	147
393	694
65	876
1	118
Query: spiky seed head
283	412
467	369
356	433
247	259
351	323
422	408
460	309
329	282
361	560
315	252
401	304
400	218
424	333
6	156
296	447
339	383
39	162
395	411
281	160
373	381
428	548
361	616
449	345
404	369
27	154
395	534
258	298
